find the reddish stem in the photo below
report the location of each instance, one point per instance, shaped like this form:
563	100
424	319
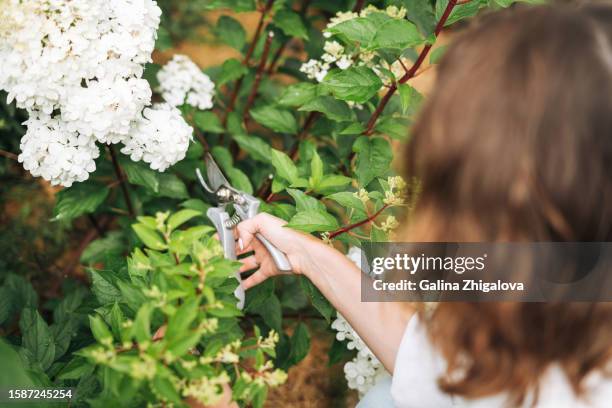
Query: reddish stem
121	179
8	155
258	76
245	61
411	72
350	227
358	6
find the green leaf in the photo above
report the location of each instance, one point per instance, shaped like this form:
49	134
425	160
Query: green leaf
332	181
172	186
271	312
230	32
313	221
298	94
304	202
357	84
316	170
239	180
6	306
460	11
37	338
334	109
316	297
291	24
284	166
259	294
165	388
406	92
149	237
75	369
373	157
100	330
22	292
141	328
231	70
164	39
112	244
179	218
140	174
183	343
182	318
353	129
255	147
360	30
208	122
348	200
396	34
300	343
103	288
82	198
116	320
276	119
437	54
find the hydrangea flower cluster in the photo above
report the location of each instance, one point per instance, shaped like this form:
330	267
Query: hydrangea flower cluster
338	56
76	66
365	370
181	81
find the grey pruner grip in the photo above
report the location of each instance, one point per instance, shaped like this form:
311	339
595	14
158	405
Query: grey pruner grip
220	218
280	259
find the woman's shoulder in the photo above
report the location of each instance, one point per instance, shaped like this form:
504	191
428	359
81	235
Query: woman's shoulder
418	366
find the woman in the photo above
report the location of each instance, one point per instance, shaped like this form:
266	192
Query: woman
515	144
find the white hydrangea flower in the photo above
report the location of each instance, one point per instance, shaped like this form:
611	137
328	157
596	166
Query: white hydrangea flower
51	151
105	109
181	81
365	370
315	69
160	137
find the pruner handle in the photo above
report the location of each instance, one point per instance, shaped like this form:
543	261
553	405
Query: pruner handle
280	259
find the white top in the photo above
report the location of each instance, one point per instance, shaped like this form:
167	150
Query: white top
418	367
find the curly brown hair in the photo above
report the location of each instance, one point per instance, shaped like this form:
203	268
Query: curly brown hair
515	144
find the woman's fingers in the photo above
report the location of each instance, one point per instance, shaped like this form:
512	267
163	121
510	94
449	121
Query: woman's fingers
248	263
254	279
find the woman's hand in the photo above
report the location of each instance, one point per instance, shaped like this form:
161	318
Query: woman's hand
299	248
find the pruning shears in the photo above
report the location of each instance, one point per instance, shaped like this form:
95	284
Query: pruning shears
245	206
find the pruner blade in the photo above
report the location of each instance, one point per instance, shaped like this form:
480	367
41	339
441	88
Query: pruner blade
214	175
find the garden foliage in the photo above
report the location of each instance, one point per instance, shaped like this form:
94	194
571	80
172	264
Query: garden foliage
307	118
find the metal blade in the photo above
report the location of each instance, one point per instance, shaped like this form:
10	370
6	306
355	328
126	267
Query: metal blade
216	179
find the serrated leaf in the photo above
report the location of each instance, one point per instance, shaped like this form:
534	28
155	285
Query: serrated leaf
179	218
284	166
183	317
290	23
165	389
332	181
353	129
141	328
334	109
231	70
239	180
360	30
300	343
37	338
82	198
100	330
102	287
278	120
113	243
75	369
183	343
116	320
316	170
313	221
304	202
149	237
356	84
460	11
396	34
140	174
255	147
208	122
172	186
230	31
347	200
373	157
316	297
271	312
298	94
